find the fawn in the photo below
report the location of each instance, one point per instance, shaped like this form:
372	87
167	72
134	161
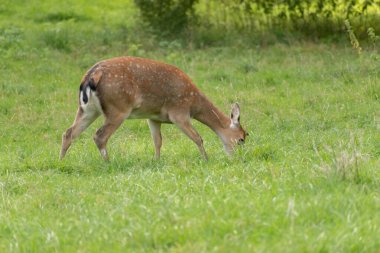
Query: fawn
137	88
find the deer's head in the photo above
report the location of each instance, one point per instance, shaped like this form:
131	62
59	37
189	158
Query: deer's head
234	134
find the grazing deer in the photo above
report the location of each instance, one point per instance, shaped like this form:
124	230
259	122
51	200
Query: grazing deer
136	88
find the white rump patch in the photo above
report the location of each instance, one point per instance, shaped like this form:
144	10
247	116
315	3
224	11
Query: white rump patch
93	104
81	98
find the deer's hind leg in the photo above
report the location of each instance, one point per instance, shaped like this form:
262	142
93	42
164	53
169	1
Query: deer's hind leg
83	119
112	122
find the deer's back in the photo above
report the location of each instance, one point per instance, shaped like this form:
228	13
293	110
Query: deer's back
148	86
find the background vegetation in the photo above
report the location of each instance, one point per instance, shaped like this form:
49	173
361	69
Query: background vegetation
307	179
210	21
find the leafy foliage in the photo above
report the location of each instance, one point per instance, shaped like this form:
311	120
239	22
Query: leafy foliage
354	41
372	36
166	16
314	18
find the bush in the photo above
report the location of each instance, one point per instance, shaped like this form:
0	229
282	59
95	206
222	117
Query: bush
166	17
216	22
314	18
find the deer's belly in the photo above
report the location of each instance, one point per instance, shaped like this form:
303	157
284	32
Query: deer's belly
141	114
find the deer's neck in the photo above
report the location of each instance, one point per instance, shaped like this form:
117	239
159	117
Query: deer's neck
212	117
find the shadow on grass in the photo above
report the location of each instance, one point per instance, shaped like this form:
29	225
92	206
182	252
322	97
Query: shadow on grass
61	16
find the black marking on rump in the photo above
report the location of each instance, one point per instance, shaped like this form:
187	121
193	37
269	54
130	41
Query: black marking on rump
88	82
82	89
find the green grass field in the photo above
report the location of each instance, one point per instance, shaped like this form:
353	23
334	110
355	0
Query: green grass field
307	180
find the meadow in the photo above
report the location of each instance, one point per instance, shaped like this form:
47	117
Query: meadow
307	179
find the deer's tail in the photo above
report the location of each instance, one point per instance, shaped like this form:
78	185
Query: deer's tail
88	85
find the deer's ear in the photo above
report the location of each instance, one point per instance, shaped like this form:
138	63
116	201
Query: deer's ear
235	114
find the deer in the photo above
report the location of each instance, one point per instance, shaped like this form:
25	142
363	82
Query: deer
138	88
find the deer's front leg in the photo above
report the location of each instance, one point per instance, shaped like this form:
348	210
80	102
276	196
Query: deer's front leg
155	130
185	125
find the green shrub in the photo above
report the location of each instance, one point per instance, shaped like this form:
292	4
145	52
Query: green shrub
166	17
311	18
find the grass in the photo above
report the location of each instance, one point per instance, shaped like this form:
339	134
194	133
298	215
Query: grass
307	179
